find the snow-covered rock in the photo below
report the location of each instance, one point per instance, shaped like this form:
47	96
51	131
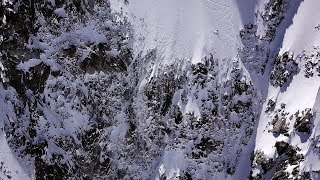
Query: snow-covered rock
171	89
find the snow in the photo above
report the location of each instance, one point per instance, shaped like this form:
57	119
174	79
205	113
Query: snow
119	131
301	93
186	29
295	96
192	107
247	9
11	164
25	66
61	12
4	19
10	167
6	2
312	154
53	2
255	172
302	34
173	163
90	33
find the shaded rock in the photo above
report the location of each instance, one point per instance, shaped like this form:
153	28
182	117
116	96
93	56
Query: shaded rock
270	105
200	68
37	77
97	62
304	122
281	147
280	175
285	67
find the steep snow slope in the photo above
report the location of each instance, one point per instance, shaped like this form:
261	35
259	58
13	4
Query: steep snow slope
312	154
186	29
10	167
303	33
297	100
301	93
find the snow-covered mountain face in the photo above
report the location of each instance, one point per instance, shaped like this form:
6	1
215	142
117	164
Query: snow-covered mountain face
171	89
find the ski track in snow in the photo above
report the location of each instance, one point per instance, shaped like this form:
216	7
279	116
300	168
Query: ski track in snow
186	29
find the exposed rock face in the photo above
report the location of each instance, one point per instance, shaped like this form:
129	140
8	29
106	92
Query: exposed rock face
284	69
304	121
281	147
